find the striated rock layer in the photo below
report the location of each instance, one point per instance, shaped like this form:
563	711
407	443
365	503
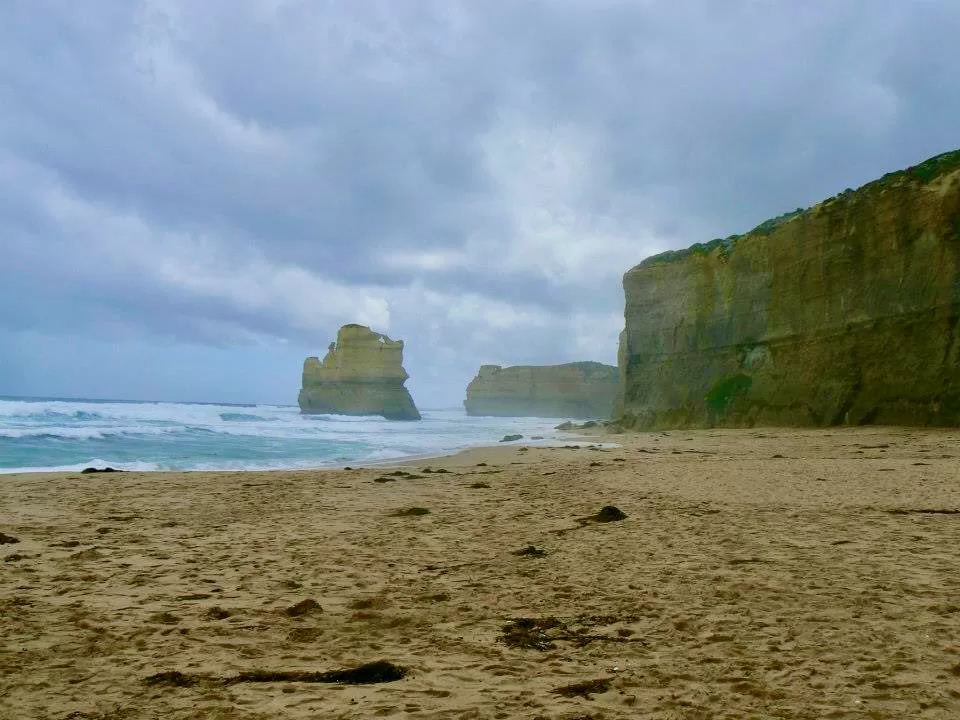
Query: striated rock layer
582	390
847	313
362	374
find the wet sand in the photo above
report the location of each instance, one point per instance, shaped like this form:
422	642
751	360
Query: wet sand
757	574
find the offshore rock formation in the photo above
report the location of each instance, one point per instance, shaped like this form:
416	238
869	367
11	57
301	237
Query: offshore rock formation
582	390
362	374
847	313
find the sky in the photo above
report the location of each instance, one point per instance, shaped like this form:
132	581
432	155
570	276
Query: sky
194	196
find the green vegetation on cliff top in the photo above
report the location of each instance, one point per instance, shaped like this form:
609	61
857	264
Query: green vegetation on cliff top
585	365
922	173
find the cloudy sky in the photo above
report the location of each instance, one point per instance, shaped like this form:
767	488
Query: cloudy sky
196	194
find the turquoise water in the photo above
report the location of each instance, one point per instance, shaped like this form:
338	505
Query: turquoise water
51	434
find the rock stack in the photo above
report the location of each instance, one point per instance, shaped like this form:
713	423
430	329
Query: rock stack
578	390
361	374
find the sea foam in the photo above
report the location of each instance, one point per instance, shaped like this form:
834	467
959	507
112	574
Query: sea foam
68	435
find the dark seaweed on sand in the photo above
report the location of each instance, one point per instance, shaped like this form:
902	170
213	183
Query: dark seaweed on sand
584	689
380	671
530	633
530	551
609	513
411	512
543	633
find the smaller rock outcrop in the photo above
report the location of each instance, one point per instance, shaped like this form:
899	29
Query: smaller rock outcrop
361	374
580	389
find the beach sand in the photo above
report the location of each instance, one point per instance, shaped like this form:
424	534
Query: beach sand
758	574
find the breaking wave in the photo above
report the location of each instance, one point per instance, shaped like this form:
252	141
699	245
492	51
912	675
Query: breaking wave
68	435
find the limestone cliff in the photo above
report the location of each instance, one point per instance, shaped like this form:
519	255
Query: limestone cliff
845	313
362	374
583	389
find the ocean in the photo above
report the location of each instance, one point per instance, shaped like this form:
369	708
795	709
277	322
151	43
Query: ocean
38	434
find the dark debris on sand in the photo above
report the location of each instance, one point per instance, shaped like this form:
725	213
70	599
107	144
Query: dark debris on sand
88	554
380	671
397	475
584	689
411	512
530	633
91	470
164	618
923	511
304	634
609	513
217	613
8	539
368	603
543	633
304	607
531	551
129	517
435	597
174	678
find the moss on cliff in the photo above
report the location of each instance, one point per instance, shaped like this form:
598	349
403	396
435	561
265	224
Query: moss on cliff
725	391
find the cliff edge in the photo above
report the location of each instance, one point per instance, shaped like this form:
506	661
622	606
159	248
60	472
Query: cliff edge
847	313
580	390
361	374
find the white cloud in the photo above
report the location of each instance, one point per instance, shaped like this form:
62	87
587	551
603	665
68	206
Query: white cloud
103	244
466	309
425	260
546	178
170	85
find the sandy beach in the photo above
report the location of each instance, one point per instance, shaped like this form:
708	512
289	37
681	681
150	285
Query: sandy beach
757	574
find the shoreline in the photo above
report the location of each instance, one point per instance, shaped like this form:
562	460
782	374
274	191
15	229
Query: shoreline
388	462
763	572
56	441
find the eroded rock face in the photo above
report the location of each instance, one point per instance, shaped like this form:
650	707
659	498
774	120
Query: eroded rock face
361	374
845	313
581	390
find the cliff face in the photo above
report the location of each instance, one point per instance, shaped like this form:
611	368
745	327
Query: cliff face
362	374
581	390
846	313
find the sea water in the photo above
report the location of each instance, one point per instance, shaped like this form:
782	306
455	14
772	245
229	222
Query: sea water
64	435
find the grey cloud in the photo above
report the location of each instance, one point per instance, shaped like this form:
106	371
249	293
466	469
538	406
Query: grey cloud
427	164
